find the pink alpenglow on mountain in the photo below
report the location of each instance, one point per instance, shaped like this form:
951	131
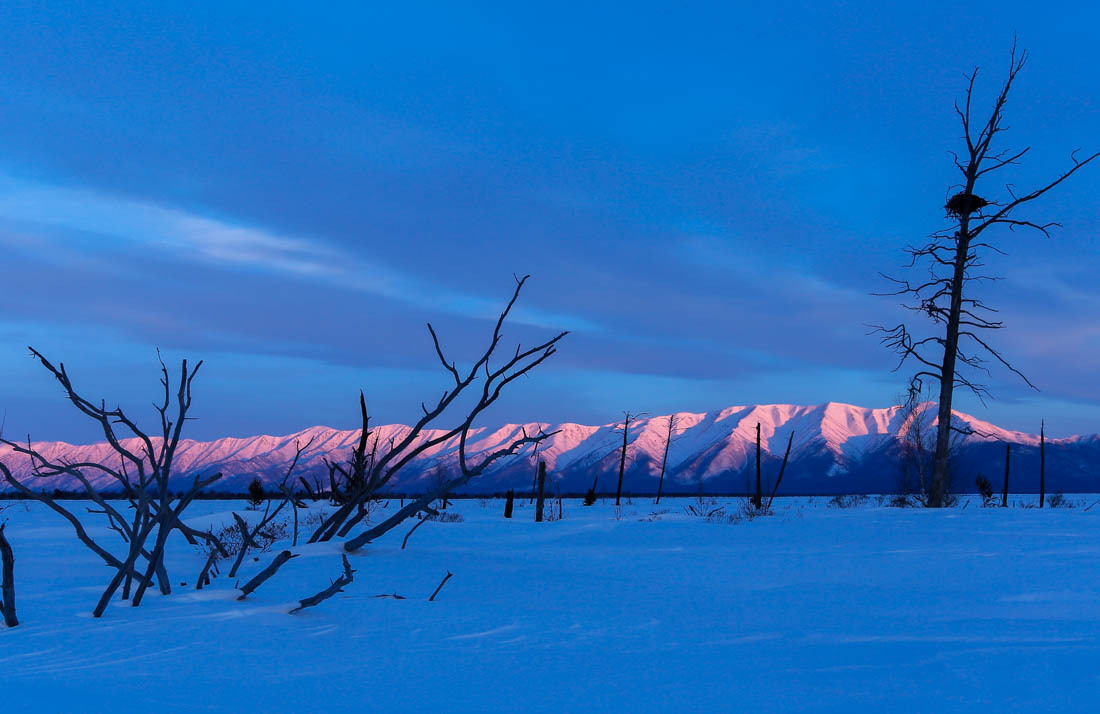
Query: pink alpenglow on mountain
837	448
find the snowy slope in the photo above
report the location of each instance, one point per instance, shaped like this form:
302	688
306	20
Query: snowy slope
836	448
814	609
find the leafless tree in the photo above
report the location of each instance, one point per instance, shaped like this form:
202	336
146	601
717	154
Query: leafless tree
1042	462
917	431
381	468
628	419
953	262
249	533
671	423
782	470
143	476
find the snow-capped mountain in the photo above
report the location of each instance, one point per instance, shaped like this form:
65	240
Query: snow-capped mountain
836	448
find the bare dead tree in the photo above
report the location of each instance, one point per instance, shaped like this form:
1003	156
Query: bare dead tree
349	478
917	446
1008	463
1042	462
671	424
953	261
534	473
143	476
382	468
249	533
782	470
628	419
7	580
758	496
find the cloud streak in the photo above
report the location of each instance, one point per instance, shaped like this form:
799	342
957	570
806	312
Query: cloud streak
86	216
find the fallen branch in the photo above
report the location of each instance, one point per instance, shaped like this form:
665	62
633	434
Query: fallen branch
427	512
266	573
337	586
441	584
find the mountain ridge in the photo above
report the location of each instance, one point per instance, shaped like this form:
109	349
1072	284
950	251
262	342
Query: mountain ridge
837	448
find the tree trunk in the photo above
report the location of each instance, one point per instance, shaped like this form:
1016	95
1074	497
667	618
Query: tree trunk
1008	461
937	495
542	492
509	503
7	584
1042	462
661	480
622	462
758	499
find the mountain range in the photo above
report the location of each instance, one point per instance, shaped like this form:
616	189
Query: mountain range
836	448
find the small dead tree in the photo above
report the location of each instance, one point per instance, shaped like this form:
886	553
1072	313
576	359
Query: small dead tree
250	533
349	478
143	476
1042	462
782	470
916	449
671	423
758	496
1008	463
628	419
534	473
952	262
381	469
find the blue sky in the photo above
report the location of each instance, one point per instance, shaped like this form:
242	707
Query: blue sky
704	194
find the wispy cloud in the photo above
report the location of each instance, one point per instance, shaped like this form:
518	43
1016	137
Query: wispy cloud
80	212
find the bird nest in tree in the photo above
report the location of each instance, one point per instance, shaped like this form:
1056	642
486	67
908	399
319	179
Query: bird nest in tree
963	204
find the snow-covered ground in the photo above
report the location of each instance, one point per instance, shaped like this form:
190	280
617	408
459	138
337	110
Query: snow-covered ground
812	609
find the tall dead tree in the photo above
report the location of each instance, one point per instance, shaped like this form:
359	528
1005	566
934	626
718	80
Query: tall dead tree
143	476
628	419
671	424
1008	464
952	262
380	469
